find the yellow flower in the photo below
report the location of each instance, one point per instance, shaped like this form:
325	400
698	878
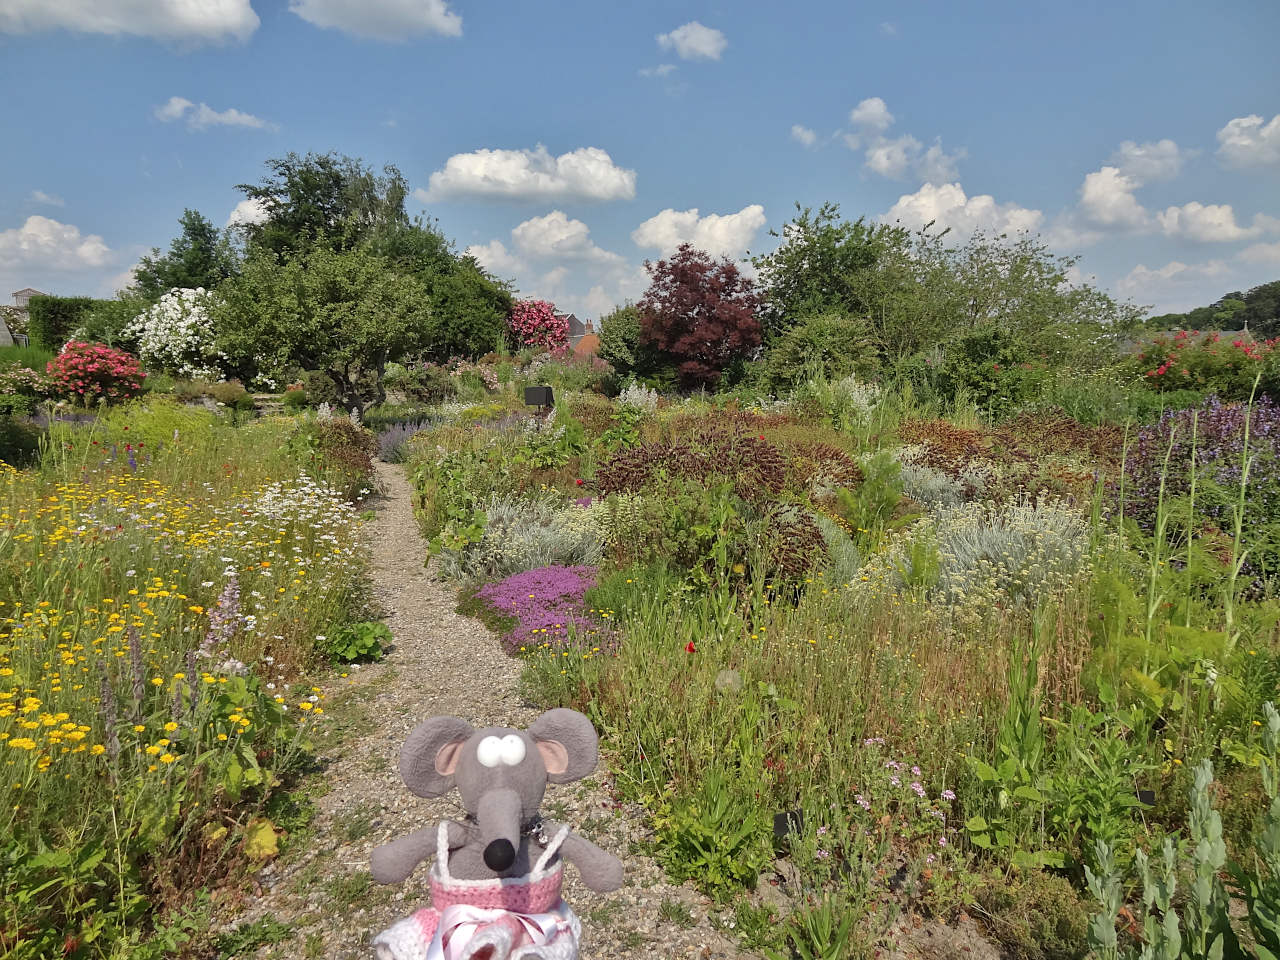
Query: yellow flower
168	758
222	736
170	726
138	728
305	705
157	681
97	749
163	741
152	750
23	743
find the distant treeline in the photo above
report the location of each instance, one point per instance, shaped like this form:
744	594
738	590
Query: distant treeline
1258	310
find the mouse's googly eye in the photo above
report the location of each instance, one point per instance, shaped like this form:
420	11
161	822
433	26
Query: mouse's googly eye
512	750
489	751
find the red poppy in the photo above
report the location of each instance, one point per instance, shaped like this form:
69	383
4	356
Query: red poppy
689	647
578	482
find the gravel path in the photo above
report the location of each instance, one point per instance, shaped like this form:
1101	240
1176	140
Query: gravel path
443	663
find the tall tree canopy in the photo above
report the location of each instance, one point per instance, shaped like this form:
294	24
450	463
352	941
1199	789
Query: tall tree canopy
330	196
200	256
1258	309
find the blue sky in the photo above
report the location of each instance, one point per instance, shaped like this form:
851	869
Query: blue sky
564	143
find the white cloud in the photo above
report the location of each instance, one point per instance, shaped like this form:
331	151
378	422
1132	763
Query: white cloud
39	196
1176	285
871	115
164	19
1148	162
895	158
495	258
888	29
202	116
802	134
717	234
587	173
661	70
1267	254
935	165
891	158
557	236
381	19
693	41
1250	142
1211	223
554	258
1106	199
948	206
248	210
44	243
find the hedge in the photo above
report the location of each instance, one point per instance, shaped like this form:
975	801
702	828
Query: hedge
51	320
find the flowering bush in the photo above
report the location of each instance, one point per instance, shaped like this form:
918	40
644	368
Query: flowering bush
1210	363
535	324
89	372
176	335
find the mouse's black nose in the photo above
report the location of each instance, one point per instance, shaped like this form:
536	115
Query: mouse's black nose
499	855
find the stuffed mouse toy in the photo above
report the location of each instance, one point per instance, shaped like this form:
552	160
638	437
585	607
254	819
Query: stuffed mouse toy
495	883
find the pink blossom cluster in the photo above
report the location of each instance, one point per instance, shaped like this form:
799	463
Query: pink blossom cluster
535	324
88	372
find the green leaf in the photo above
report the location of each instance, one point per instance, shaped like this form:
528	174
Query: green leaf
984	771
1026	792
976	824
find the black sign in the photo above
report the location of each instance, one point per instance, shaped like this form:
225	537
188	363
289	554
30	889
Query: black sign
537	396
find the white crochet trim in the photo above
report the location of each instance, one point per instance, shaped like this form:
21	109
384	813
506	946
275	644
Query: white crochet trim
401	941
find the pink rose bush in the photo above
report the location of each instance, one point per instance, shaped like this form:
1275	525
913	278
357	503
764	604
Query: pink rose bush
89	372
535	324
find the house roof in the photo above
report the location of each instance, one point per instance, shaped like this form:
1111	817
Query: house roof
28	291
588	346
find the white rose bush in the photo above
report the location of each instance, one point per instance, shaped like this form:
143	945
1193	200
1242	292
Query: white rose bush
176	335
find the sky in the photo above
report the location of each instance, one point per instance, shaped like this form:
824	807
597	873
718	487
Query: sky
564	144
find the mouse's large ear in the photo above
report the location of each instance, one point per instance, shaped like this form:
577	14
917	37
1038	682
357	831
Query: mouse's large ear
568	744
431	754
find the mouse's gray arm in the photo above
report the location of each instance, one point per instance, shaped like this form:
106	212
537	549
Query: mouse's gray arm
600	870
393	862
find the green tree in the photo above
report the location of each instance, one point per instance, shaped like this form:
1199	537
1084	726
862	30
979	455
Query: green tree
200	256
819	264
468	311
327	198
346	313
620	343
827	345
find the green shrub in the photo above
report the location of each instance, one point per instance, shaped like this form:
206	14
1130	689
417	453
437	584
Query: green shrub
1035	916
992	367
320	388
19	441
53	320
830	346
295	400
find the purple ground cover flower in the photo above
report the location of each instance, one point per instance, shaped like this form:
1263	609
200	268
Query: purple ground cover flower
547	603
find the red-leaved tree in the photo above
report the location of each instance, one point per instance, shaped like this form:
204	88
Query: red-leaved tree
701	313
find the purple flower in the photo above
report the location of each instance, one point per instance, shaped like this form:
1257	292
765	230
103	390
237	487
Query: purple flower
547	604
870	741
948	794
915	771
895	781
917	788
224	618
823	854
